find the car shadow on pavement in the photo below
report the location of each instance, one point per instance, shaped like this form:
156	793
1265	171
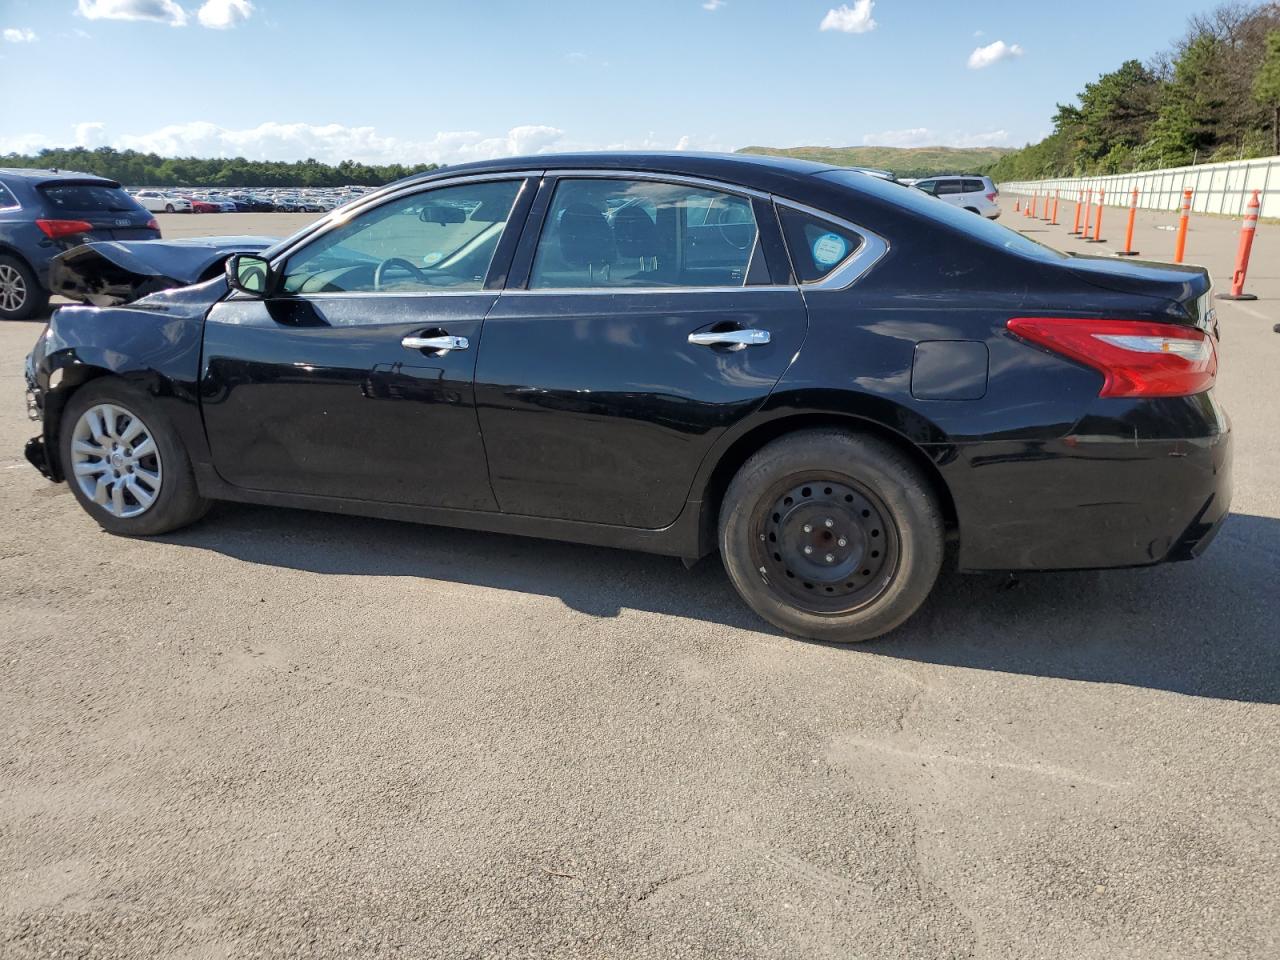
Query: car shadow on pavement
1206	628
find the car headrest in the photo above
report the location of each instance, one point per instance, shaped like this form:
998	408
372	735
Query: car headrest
635	233
585	237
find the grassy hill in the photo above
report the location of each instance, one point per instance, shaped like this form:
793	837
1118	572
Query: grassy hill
903	161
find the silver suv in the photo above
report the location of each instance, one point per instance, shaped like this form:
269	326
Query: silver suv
974	193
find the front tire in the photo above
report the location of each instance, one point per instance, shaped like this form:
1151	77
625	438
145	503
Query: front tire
168	208
21	295
831	535
125	463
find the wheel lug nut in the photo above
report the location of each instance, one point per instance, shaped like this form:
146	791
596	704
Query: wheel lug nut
808	550
842	542
808	528
829	522
831	558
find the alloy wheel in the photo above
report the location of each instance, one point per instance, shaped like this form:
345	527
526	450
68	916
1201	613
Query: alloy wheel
13	288
828	545
115	460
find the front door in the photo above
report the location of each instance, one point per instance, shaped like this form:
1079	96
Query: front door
650	322
355	379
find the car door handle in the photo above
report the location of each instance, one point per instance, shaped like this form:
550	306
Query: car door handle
733	339
442	343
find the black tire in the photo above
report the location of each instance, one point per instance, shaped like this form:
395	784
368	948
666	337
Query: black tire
34	298
178	502
974	210
168	208
885	538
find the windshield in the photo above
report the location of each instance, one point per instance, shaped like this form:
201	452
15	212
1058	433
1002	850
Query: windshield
977	227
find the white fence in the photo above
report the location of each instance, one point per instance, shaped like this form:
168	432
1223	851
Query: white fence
1217	187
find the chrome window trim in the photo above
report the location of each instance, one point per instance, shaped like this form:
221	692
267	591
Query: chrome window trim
683	179
857	264
610	291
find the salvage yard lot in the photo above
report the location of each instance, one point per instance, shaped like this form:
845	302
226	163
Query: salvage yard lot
288	734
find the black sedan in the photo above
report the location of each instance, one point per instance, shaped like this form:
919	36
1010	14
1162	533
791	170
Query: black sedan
825	376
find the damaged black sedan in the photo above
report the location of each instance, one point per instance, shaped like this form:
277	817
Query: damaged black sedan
823	376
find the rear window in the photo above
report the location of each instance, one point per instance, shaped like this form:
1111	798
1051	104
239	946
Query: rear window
954	218
87	198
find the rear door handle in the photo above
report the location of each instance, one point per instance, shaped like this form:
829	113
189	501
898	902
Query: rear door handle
733	339
442	343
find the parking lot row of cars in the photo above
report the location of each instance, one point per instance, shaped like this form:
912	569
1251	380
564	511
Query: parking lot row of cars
239	200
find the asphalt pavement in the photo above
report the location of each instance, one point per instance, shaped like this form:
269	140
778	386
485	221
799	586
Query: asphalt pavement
284	734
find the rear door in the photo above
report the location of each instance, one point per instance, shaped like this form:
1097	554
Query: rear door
646	316
113	214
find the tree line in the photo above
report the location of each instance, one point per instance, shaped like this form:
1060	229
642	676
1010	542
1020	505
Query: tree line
151	170
1214	96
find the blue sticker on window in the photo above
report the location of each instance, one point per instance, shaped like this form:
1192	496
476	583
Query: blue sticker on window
829	249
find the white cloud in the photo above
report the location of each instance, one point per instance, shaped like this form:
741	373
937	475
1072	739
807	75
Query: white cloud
331	143
19	35
714	5
993	53
224	14
926	137
846	19
979	33
161	11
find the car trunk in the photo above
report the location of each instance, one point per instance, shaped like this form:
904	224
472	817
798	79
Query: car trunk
113	214
1184	288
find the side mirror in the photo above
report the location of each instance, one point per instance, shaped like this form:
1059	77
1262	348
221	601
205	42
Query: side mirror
249	273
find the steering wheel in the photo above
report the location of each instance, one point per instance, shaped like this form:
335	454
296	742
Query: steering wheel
745	229
394	263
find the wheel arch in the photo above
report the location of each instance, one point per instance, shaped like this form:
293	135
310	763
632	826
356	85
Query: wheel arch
712	488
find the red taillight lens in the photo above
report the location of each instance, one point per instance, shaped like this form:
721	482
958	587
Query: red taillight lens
992	197
53	229
1136	359
153	224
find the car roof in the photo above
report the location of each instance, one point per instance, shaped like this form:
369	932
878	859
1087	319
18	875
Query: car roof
45	176
745	169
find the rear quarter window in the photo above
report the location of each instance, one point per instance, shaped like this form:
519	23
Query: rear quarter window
87	198
7	199
817	246
974	186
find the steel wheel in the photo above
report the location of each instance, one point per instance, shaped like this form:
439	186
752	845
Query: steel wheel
115	460
13	288
828	545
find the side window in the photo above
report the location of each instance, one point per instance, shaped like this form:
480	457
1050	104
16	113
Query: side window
442	239
817	246
7	199
928	186
949	187
973	186
641	233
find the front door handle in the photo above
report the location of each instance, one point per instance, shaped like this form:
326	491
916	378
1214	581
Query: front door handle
442	343
733	339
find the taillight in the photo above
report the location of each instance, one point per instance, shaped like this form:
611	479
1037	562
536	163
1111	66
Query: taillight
1136	359
153	224
53	229
991	197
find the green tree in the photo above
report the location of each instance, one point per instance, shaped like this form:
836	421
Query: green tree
1266	86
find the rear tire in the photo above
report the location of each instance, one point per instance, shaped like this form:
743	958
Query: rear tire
168	208
21	296
125	463
831	535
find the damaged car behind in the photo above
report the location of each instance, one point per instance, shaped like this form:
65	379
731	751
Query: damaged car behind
826	378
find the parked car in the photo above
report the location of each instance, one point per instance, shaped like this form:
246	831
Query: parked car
976	194
205	206
43	213
828	380
158	202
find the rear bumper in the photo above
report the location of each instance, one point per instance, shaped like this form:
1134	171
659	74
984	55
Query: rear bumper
1085	503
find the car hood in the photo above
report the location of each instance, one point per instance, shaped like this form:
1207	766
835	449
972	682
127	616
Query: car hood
109	273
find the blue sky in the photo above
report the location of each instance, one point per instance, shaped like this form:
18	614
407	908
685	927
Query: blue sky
417	80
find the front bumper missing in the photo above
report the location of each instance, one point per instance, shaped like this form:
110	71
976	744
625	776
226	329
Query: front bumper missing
38	456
